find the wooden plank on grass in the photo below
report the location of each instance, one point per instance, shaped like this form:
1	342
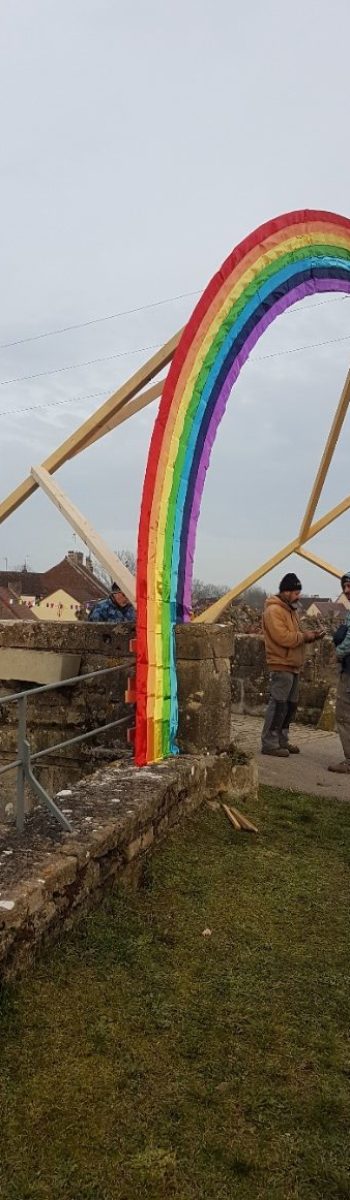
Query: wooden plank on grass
244	821
231	818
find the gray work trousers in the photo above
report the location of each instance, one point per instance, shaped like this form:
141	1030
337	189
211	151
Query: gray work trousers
281	709
342	713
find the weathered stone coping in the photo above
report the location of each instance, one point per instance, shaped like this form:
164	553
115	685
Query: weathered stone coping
47	877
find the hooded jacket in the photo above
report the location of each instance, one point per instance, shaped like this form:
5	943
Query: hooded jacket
341	639
106	610
284	640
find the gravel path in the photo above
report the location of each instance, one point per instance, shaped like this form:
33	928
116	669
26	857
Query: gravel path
306	772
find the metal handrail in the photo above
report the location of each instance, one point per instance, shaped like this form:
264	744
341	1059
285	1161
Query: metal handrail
25	758
51	687
81	737
10	766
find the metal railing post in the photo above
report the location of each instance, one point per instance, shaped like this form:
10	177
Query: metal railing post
23	763
21	772
41	794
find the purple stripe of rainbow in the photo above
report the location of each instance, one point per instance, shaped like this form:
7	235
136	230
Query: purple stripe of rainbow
195	495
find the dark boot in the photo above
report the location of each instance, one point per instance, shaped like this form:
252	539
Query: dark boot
284	736
275	751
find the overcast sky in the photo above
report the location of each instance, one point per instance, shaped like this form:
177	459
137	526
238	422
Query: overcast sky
139	143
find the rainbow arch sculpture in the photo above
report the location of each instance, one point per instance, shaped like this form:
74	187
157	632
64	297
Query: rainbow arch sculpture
280	263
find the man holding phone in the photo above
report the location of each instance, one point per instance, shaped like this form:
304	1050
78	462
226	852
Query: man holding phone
285	653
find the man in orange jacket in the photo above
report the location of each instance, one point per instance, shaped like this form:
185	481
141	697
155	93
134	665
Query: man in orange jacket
285	653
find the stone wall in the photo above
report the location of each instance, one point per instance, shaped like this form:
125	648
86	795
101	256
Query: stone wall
48	878
59	715
217	669
203	662
250	675
116	814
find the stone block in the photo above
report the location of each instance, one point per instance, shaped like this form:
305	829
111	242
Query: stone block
204	696
40	635
37	666
147	838
72	637
86	881
58	873
203	641
248	659
327	718
162	825
133	848
244	781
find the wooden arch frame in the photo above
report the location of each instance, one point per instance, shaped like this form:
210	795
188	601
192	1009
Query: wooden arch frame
129	399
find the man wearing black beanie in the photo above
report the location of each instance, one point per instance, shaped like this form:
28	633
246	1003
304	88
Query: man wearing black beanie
285	653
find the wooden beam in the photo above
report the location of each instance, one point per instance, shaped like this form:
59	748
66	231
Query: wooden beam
330	516
231	818
319	562
215	611
104	555
73	444
134	406
244	821
327	456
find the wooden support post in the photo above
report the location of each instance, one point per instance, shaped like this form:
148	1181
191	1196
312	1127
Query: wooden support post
230	817
330	516
319	562
134	406
215	611
244	821
104	555
76	442
326	459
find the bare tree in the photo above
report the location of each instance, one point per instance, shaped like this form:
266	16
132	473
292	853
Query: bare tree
207	591
255	597
101	574
128	558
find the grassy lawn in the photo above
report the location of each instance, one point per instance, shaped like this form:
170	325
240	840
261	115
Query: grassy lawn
143	1061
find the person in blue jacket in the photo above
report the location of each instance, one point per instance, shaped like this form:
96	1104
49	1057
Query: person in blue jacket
116	608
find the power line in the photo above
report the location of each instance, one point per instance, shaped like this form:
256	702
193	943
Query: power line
53	403
299	349
140	350
8	412
75	366
126	312
319	304
91	395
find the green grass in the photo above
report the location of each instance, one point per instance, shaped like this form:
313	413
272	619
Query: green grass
142	1061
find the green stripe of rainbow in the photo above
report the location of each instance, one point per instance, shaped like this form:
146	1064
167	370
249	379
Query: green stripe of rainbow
280	263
